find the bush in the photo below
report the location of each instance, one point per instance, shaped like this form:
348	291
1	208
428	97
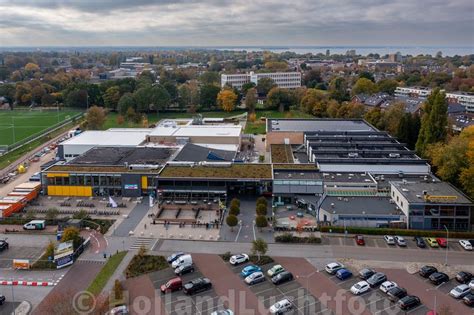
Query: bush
118	290
145	264
290	238
262	200
261	158
235	202
264	260
401	232
261	221
231	220
261	209
234	210
226	256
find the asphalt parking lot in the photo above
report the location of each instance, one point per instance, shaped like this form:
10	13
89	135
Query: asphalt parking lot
379	242
19	252
268	293
8	308
374	300
179	303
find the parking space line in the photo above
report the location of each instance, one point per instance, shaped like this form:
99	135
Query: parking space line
378	312
414	309
344	281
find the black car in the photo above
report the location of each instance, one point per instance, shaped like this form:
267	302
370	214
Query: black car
377	279
173	257
420	242
184	269
438	278
396	294
3	245
282	277
408	302
197	285
469	299
366	273
427	271
463	277
2	299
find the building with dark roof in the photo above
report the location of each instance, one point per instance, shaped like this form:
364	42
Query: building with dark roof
196	153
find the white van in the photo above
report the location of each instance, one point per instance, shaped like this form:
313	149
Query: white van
35	225
183	260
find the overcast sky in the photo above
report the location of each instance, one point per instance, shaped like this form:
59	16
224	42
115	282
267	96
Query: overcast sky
236	22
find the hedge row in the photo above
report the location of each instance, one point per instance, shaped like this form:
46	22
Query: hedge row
290	238
401	232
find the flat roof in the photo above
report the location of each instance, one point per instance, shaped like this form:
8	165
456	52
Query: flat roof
232	171
359	205
313	125
121	155
196	153
325	176
108	138
413	191
198	131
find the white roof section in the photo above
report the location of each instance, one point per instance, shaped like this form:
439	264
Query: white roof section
225	147
198	131
108	138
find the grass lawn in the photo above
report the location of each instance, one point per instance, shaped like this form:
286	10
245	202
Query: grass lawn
258	126
142	264
104	275
28	123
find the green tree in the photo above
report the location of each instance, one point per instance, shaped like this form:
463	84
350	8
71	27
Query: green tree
408	129
433	122
210	78
373	116
234	210
261	221
247	86
81	215
367	75
264	86
312	78
364	86
338	89
251	99
235	202
126	101
387	86
208	96
188	95
231	221
280	99
259	247
95	118
261	209
262	200
112	97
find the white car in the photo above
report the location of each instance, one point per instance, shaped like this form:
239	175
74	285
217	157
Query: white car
238	259
389	239
465	244
400	241
387	285
223	312
460	291
360	287
281	307
255	278
332	268
471	284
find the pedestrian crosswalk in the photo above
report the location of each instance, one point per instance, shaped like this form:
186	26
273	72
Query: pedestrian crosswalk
142	241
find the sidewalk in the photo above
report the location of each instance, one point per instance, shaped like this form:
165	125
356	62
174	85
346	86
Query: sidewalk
119	272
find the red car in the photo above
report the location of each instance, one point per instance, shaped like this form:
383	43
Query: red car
360	240
442	242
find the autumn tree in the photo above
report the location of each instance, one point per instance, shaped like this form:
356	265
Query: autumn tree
251	99
95	118
112	97
433	122
226	99
364	86
279	98
315	102
72	234
276	66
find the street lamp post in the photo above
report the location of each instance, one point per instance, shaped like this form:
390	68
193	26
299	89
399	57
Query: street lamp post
13	128
447	245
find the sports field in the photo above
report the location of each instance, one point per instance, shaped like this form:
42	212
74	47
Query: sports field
19	124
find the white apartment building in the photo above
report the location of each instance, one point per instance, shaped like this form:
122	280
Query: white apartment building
288	80
412	91
463	98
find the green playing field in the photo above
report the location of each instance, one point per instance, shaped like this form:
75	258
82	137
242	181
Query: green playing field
17	125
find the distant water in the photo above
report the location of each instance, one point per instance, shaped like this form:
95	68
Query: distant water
360	50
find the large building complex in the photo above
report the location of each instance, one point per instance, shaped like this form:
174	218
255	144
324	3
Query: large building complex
463	98
288	80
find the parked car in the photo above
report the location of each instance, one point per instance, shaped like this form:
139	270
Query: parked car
377	279
366	273
460	291
469	299
182	260
254	278
197	285
387	285
122	310
442	242
389	239
427	271
2	299
465	244
360	240
360	287
275	270
408	302
223	312
282	277
463	277
396	294
173	257
471	284
400	241
184	269
3	245
343	274
438	278
248	270
332	268
281	307
238	259
420	242
432	242
172	285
